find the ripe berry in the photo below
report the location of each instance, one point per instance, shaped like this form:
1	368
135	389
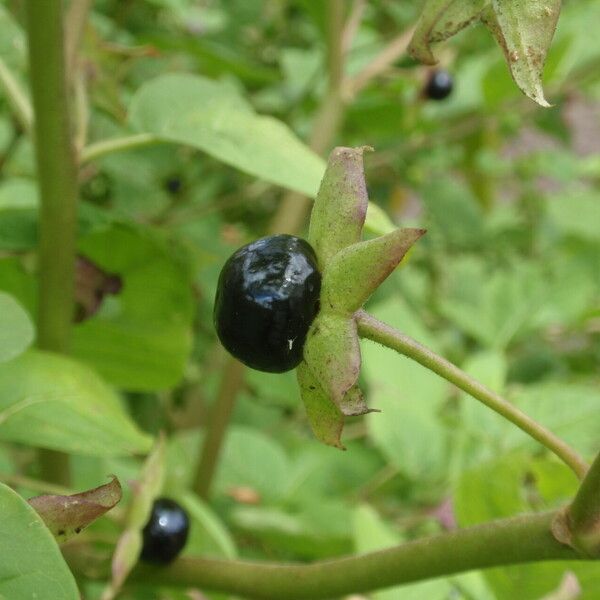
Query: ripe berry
267	297
439	85
166	532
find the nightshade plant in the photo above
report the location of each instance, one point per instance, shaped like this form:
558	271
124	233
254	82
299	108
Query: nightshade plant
70	410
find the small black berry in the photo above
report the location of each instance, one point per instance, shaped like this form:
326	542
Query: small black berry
267	297
173	185
165	533
439	85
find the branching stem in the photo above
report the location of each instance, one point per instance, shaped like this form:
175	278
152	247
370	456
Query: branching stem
517	540
371	328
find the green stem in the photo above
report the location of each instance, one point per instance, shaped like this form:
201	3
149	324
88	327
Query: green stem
294	207
57	180
584	512
289	217
130	142
517	540
231	382
16	97
371	328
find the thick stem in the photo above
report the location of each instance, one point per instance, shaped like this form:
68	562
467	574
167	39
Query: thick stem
510	541
371	328
231	382
57	177
584	512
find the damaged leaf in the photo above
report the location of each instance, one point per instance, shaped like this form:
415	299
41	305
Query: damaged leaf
524	29
440	20
66	516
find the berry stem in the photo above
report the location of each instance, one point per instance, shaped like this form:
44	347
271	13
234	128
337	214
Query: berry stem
522	539
57	181
371	328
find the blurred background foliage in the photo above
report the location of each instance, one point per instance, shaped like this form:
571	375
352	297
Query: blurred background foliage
506	283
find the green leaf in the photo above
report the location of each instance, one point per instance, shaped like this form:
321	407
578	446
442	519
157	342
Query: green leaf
213	117
16	329
439	20
32	565
340	209
332	353
141	338
66	516
245	446
325	418
356	271
55	402
524	30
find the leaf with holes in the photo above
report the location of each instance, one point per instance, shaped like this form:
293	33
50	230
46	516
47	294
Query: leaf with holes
66	516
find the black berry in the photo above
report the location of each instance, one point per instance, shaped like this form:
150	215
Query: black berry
166	532
267	297
439	85
173	185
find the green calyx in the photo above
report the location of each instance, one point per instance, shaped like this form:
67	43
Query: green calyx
351	271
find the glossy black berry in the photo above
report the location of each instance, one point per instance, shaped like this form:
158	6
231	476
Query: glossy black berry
267	297
166	532
439	85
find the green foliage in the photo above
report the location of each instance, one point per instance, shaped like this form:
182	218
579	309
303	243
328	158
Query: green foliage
16	328
30	554
505	284
50	401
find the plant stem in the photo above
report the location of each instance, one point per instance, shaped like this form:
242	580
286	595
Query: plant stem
75	21
130	142
231	382
371	328
289	218
294	207
584	512
517	540
57	180
16	97
388	56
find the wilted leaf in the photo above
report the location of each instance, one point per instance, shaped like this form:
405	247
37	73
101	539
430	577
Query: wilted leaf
524	29
66	516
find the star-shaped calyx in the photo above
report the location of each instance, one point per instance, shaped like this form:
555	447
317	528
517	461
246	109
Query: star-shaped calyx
351	271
